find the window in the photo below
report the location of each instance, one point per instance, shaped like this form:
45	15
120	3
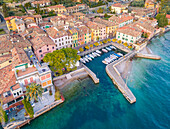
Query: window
118	36
44	84
10	61
52	47
49	82
41	55
47	49
40	51
47	45
14	93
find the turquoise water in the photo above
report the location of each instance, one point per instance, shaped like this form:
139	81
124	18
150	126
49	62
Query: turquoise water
102	106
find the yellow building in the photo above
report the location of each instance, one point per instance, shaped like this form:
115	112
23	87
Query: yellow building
98	31
111	27
15	23
74	33
57	8
150	3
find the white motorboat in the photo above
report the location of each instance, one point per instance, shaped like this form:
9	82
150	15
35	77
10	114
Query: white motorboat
82	60
99	52
120	54
104	62
113	47
104	50
86	59
96	53
108	48
91	56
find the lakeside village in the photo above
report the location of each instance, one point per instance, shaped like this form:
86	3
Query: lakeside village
42	49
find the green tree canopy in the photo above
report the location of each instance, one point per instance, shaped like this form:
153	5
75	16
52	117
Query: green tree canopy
62	58
28	107
162	20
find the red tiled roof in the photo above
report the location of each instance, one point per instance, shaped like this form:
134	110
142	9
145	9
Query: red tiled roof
168	16
41	41
27	71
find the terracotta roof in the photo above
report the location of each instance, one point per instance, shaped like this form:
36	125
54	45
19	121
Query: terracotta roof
41	2
27	71
83	30
129	31
105	22
94	25
19	56
168	16
56	6
150	1
7	78
54	33
45	23
5	44
11	17
41	41
118	5
122	18
5	58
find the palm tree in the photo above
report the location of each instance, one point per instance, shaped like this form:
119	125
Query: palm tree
34	91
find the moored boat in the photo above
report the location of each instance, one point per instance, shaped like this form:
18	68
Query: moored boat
104	50
99	52
108	48
82	60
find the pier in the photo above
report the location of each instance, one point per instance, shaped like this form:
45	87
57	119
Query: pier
148	56
91	74
117	79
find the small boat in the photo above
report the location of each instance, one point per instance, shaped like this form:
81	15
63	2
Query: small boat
104	62
104	50
91	56
96	53
82	60
120	54
108	48
86	59
99	52
113	47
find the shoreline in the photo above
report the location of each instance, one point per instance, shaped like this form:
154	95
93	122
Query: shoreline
124	73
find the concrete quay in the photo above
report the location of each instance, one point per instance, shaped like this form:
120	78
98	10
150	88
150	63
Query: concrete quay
148	56
117	79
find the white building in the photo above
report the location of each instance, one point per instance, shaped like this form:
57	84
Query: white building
61	38
41	3
128	35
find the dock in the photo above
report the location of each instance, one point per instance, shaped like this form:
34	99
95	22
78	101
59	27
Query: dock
91	74
118	80
148	56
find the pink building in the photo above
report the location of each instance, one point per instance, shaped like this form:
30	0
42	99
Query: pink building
42	46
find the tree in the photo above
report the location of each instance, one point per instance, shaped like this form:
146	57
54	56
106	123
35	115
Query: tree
162	20
5	10
91	45
28	107
100	10
38	9
81	49
71	57
57	95
114	40
96	44
108	40
119	41
27	5
87	47
63	58
3	115
34	91
110	8
104	41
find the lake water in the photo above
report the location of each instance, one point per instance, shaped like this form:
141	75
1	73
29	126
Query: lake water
102	106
